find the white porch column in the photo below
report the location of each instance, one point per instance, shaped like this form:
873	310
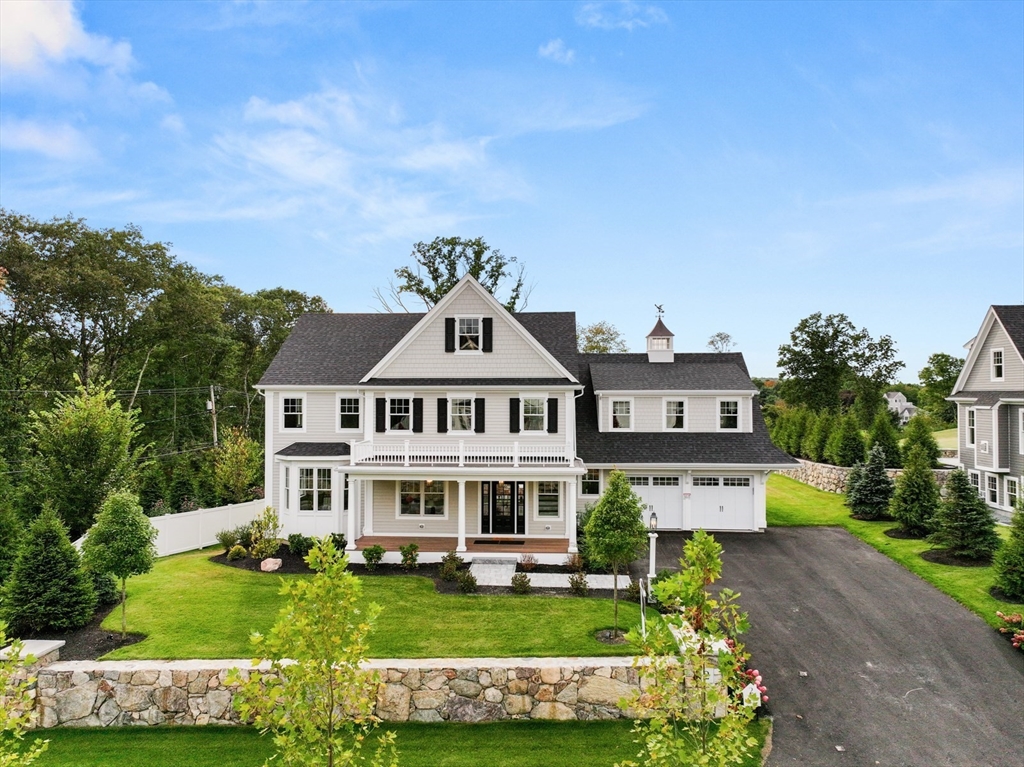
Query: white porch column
570	514
368	511
339	499
355	497
462	516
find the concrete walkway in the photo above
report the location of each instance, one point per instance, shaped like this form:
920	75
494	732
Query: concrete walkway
860	654
498	571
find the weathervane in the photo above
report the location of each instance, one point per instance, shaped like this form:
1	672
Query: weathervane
661	310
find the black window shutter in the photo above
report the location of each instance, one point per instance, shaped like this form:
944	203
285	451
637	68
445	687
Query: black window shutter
417	415
478	407
552	415
382	406
442	415
488	334
513	415
449	334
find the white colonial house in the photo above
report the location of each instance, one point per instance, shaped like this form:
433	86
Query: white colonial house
473	429
898	403
990	409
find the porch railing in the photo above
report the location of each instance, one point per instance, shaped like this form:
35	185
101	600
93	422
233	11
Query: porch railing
460	453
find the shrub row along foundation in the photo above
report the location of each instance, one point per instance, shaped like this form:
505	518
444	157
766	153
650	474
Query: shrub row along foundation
832	479
194	692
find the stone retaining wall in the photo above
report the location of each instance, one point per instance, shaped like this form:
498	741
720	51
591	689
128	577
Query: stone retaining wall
113	693
832	479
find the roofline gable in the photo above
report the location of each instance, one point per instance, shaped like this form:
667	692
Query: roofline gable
468	282
979	341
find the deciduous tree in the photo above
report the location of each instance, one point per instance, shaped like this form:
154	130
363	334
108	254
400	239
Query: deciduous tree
441	263
16	702
317	699
238	467
937	378
616	532
720	342
121	543
600	338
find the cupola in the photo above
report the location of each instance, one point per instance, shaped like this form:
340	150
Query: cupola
659	343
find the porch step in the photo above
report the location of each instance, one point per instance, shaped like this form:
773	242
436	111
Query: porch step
493	571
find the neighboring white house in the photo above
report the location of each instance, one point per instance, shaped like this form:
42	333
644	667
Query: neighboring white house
899	404
990	409
474	429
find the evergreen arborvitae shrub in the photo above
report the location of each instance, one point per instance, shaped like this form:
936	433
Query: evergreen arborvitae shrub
917	494
797	430
813	447
874	488
853	478
883	433
918	431
964	524
845	445
48	588
11	534
1009	560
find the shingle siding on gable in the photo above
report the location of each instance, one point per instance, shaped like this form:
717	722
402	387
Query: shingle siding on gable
512	355
980	378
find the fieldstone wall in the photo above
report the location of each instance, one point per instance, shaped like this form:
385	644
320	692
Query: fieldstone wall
832	479
194	692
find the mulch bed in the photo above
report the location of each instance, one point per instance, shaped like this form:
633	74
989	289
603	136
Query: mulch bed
1002	596
944	557
902	535
558	570
605	636
90	641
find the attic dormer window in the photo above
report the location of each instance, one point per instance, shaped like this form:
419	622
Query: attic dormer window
469	334
997	364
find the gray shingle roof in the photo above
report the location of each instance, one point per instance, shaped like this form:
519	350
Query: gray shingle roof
988	398
1012	318
470	382
314	449
678	375
340	349
706	448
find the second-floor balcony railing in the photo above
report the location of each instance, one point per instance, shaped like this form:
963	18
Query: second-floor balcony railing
460	453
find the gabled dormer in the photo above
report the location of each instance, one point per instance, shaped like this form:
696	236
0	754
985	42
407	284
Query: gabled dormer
659	343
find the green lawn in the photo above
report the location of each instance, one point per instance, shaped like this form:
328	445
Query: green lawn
190	607
794	504
502	744
946	439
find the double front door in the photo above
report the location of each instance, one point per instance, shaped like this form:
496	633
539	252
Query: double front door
503	508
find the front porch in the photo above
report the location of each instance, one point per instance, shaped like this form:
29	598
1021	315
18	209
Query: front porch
547	550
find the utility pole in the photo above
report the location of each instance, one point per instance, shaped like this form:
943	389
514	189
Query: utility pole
211	405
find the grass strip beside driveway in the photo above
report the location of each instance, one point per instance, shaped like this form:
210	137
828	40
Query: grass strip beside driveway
190	607
794	504
524	743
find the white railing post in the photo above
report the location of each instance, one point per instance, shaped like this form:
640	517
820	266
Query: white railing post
462	453
407	452
515	454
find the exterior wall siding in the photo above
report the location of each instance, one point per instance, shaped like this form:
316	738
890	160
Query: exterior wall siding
980	378
513	356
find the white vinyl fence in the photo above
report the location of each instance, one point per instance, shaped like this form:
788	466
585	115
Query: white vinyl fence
198	529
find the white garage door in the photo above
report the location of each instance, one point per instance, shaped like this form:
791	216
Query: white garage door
722	503
662	496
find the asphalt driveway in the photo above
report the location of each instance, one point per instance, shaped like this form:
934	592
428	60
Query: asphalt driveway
865	663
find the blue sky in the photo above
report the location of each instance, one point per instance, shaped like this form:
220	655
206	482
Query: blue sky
743	164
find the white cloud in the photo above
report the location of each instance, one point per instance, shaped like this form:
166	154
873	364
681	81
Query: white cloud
556	51
174	124
35	33
58	141
624	14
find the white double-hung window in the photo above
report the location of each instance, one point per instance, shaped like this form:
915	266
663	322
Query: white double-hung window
348	413
547	499
314	489
421	498
728	415
292	412
675	414
534	412
997	364
469	337
399	414
461	414
622	414
971	427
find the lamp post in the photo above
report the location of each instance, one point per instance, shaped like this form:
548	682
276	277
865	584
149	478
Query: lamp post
652	534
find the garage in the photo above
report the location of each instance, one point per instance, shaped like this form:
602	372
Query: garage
722	503
661	495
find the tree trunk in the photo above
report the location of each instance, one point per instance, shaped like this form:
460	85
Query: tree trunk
124	620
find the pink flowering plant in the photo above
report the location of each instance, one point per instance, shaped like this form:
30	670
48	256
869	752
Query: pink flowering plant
697	697
1014	626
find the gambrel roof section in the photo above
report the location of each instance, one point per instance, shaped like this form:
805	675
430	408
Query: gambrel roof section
1010	318
519	351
